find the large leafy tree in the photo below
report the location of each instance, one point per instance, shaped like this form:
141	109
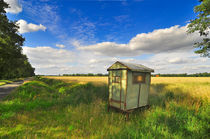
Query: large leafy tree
202	25
13	63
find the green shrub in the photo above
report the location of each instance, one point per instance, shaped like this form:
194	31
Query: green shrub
62	90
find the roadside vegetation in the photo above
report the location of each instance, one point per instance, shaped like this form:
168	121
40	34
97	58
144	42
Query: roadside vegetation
88	74
3	82
48	108
205	74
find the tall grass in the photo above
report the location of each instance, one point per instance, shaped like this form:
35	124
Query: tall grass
47	108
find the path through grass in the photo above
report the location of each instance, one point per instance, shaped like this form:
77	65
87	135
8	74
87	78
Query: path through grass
3	82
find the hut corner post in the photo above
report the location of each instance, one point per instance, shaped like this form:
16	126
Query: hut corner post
108	107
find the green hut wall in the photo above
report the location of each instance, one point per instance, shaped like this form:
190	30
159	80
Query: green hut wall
137	93
116	98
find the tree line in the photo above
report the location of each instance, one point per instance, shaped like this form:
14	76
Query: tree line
88	74
13	63
205	74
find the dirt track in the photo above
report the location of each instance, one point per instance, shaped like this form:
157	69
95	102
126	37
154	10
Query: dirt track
6	89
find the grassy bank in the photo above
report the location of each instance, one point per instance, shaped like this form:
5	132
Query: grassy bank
47	108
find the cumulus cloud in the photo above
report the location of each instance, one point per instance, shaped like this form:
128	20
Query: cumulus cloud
47	55
51	61
25	27
46	59
178	62
14	5
60	45
174	38
169	51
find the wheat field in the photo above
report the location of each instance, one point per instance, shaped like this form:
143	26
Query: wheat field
196	86
81	79
102	79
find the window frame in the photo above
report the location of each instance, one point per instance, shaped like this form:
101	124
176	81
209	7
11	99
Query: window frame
135	76
114	79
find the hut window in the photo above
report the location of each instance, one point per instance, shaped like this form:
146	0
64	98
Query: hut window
139	79
116	79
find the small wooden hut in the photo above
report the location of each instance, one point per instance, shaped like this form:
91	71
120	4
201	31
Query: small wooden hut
129	86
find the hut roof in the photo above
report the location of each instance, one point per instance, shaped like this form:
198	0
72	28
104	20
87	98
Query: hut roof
133	67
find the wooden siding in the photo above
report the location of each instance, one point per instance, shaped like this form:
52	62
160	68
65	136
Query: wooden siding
123	86
133	91
132	94
144	91
117	90
127	94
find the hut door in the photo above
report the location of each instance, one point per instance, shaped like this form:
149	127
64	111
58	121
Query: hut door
138	87
116	90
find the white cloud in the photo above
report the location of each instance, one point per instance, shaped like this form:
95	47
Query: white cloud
170	51
14	5
174	38
47	14
60	45
25	27
48	60
178	62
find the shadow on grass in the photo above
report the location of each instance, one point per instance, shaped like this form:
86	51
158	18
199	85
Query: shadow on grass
85	93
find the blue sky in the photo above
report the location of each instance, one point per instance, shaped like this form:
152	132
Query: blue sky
73	36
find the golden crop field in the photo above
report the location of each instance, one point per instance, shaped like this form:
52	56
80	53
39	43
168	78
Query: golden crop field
81	79
196	86
180	79
85	79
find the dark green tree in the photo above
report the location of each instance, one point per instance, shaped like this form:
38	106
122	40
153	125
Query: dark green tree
13	64
202	25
